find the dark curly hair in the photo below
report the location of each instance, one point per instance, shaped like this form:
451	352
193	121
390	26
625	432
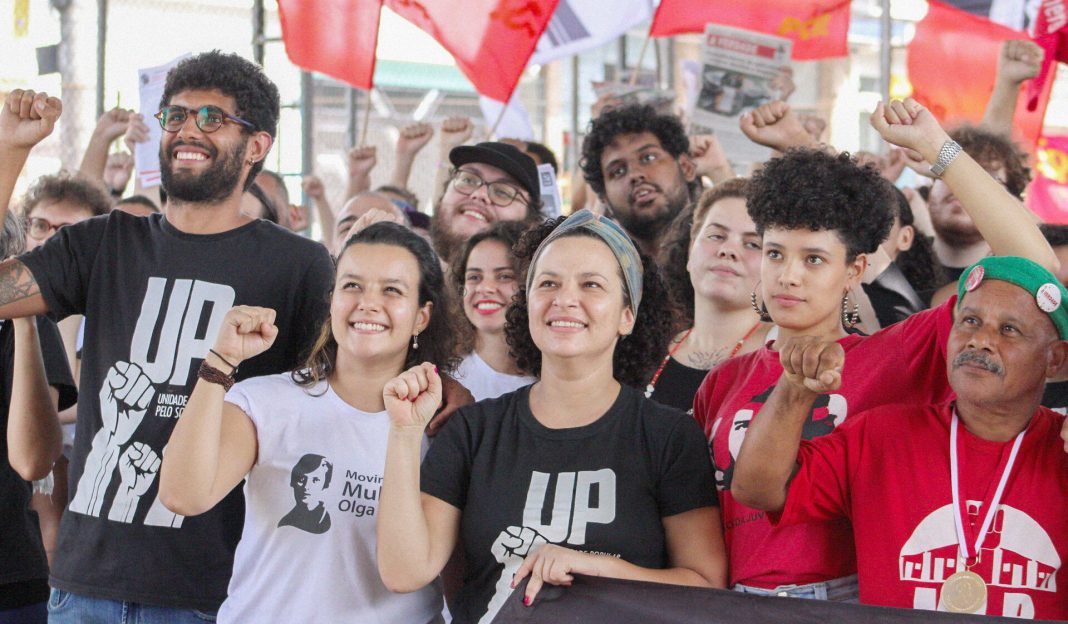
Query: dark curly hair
918	263
632	363
631	119
672	256
255	96
437	343
67	186
813	190
508	234
1056	234
993	149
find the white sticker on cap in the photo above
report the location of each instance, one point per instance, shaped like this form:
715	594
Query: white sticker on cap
974	279
1048	297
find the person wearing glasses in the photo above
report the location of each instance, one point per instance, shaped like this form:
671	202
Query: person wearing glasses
53	202
490	182
154	291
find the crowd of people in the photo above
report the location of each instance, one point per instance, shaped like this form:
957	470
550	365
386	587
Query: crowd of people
805	379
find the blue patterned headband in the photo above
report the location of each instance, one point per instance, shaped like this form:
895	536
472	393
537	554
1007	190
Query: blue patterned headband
613	236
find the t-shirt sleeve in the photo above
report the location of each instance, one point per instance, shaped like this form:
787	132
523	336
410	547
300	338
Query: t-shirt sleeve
57	368
820	489
685	481
446	468
315	286
242	395
62	266
916	340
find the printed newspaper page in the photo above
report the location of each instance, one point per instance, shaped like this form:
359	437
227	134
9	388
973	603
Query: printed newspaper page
737	70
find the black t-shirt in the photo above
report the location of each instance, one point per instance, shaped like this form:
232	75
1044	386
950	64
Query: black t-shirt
22	556
600	488
154	298
678	385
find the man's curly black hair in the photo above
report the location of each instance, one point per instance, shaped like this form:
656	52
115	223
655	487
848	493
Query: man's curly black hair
255	96
631	119
813	190
635	355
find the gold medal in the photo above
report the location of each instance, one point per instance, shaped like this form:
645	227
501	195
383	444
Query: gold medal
964	592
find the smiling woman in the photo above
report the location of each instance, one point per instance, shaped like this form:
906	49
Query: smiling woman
311	445
638	472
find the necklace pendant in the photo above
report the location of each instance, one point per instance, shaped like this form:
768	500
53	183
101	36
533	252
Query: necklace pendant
963	592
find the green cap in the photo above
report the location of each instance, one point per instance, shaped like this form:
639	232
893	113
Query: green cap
1050	296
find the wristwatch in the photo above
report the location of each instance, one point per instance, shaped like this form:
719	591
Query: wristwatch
949	151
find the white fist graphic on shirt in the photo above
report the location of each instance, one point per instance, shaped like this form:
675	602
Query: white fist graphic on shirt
138	467
125	397
516	542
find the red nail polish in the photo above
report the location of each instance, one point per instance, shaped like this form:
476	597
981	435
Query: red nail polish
526	600
513	584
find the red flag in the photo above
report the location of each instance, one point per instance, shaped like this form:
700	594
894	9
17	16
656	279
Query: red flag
1047	196
333	37
491	40
818	28
1051	34
952	64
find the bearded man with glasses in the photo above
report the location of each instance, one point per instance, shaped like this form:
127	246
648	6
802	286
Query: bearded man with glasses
490	182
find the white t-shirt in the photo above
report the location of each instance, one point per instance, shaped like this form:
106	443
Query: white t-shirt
307	550
486	383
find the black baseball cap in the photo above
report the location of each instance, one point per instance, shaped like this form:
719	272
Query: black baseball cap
505	157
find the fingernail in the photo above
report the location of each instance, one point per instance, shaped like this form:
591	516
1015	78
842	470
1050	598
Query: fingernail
435	369
513	583
526	600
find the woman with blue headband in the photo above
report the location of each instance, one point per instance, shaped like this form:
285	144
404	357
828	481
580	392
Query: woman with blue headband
578	473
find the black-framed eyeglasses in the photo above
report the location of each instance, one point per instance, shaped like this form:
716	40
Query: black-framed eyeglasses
500	194
40	228
208	118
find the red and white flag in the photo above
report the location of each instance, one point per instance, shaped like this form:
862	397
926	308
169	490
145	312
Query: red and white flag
491	40
818	28
1047	196
968	44
1051	34
333	37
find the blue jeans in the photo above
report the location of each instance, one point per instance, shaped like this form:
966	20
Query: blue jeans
837	590
67	608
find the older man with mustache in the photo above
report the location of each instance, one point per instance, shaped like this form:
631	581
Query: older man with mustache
958	506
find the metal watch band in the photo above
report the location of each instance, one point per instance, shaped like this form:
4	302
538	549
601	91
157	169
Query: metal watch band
950	149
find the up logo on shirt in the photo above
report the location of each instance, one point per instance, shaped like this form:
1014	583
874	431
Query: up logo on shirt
573	510
829	411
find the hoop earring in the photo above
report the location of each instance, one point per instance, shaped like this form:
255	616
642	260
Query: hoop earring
415	342
850	319
761	310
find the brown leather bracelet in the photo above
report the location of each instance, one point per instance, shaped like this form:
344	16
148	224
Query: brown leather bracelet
210	374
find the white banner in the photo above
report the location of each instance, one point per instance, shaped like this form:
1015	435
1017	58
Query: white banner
578	25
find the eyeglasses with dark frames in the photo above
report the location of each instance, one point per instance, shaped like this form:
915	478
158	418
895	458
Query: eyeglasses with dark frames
500	193
208	118
40	228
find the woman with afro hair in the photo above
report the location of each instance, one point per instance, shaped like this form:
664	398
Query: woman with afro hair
578	473
820	216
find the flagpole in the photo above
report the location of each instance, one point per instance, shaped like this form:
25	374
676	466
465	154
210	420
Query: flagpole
500	117
366	121
641	57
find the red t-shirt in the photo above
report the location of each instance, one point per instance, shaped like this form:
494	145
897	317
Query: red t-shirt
905	362
888	471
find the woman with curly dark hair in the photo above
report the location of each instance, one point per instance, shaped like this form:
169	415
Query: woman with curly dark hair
631	477
311	445
821	216
721	268
487	275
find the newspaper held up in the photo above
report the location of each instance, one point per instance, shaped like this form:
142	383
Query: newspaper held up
550	192
737	70
151	81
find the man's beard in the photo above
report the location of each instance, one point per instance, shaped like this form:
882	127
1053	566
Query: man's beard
212	185
954	233
650	225
446	242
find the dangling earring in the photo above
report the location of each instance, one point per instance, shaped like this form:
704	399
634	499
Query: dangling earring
850	320
415	342
761	310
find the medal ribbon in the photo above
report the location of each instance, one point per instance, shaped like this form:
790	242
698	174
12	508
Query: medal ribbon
991	508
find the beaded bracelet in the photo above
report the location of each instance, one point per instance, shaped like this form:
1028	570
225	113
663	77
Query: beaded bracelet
210	374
